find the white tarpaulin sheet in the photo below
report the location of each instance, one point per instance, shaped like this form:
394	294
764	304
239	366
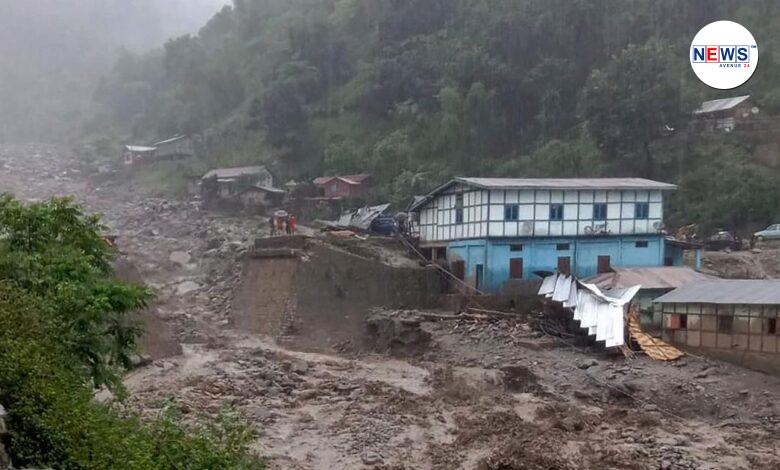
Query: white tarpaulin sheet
602	314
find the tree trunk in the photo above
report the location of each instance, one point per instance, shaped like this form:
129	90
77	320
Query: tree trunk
649	163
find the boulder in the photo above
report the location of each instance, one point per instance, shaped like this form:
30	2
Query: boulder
181	258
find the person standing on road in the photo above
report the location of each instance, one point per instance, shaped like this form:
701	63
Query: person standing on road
293	224
273	226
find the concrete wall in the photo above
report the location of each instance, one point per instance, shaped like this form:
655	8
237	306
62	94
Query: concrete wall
324	299
541	254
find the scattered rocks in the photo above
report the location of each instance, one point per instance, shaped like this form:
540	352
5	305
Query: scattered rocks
371	458
187	287
300	367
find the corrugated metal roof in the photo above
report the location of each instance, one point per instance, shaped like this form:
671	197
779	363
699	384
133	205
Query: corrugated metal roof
714	106
270	189
140	148
567	183
225	173
726	291
649	278
349	179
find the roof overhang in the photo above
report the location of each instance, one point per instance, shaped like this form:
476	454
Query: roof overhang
549	184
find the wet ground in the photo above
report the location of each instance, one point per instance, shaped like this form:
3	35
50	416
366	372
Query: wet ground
484	395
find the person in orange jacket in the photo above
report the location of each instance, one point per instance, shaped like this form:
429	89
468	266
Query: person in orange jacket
293	225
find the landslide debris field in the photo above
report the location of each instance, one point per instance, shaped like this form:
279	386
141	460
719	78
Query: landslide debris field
415	391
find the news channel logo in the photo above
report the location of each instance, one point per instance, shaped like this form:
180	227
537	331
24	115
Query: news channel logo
724	55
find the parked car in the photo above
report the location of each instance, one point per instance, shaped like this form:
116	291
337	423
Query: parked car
723	240
383	226
771	233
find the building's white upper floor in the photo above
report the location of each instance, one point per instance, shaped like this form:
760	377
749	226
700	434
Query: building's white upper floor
508	207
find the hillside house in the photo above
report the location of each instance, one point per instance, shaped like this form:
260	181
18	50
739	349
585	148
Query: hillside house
176	148
725	115
137	155
257	198
343	187
227	183
494	232
730	319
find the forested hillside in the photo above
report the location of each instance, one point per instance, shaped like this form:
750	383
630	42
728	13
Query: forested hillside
416	91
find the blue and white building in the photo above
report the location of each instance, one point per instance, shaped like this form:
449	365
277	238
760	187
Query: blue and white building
493	231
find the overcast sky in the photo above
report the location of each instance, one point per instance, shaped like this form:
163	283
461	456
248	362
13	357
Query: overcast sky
52	52
187	16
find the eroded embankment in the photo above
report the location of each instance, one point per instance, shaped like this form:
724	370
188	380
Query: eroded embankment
320	295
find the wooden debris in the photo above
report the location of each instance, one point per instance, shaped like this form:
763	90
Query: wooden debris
492	313
653	347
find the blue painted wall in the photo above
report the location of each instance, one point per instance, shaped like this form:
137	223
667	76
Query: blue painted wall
541	254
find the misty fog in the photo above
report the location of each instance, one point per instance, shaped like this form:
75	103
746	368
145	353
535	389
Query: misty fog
52	52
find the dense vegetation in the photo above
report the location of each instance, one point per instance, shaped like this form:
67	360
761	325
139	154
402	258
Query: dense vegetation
66	329
415	91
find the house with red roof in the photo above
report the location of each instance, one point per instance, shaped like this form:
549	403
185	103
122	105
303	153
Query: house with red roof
343	187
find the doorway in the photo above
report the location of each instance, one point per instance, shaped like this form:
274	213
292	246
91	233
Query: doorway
604	265
564	265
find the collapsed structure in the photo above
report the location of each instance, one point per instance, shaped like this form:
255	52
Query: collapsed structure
600	313
252	186
654	282
605	315
361	219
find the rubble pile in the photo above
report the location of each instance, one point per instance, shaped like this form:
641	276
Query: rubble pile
396	333
754	264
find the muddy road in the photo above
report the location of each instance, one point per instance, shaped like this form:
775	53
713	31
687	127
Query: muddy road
480	395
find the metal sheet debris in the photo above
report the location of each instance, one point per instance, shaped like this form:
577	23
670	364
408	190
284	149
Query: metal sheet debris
602	314
666	277
360	219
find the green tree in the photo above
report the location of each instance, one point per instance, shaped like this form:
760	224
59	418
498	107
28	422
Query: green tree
632	102
56	253
65	329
